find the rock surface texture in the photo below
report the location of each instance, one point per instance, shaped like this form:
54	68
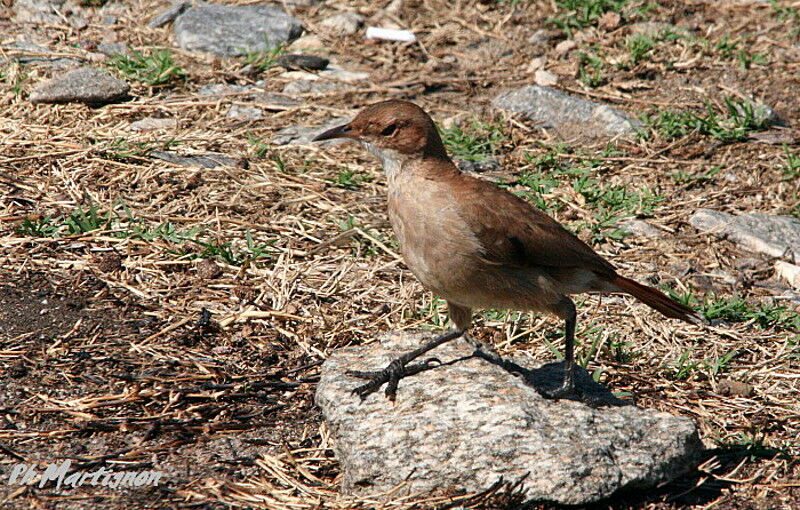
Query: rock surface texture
557	109
776	236
83	85
466	423
229	31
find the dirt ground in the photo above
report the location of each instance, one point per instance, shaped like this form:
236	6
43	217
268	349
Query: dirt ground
171	318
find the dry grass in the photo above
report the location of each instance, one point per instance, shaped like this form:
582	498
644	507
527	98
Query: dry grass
105	355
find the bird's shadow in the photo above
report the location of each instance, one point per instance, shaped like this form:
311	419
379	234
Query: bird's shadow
550	376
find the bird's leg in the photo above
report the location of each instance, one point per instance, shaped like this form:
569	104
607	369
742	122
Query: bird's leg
567	388
400	368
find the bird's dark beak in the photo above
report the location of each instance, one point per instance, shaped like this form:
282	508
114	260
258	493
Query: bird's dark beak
342	131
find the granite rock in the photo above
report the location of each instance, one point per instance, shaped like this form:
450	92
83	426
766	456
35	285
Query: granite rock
230	31
466	423
555	109
775	236
82	85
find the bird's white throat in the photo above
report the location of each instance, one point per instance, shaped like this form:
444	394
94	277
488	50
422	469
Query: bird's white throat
391	160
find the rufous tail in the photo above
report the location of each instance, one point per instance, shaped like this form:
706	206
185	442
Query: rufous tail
657	300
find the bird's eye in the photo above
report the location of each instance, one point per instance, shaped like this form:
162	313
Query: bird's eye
388	130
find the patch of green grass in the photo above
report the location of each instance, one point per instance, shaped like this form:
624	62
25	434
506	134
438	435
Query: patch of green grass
786	13
121	149
591	70
639	46
610	203
349	179
574	15
737	309
733	49
263	60
687	366
791	170
87	218
740	117
42	226
155	68
474	142
259	145
747	59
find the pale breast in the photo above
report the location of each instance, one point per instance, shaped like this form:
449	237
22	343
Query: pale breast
436	243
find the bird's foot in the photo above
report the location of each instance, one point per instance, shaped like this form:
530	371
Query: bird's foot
390	375
569	391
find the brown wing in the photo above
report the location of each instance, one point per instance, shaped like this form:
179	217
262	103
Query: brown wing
513	232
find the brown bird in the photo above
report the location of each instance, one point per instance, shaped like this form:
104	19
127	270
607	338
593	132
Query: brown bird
476	245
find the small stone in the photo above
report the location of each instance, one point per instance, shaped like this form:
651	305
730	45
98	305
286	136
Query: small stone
536	64
152	123
556	109
468	422
310	42
205	160
545	78
300	61
241	112
229	31
641	228
566	46
109	19
775	236
541	36
83	85
170	14
225	89
111	49
347	23
275	102
789	272
208	270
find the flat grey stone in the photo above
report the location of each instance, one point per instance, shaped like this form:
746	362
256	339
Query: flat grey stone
205	160
224	89
152	123
302	135
38	11
242	112
347	23
33	54
275	102
641	228
113	48
229	31
470	421
83	85
332	78
301	61
775	236
169	14
556	109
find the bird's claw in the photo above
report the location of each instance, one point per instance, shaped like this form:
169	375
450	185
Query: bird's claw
390	375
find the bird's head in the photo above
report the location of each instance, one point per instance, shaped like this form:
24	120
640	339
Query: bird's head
394	131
